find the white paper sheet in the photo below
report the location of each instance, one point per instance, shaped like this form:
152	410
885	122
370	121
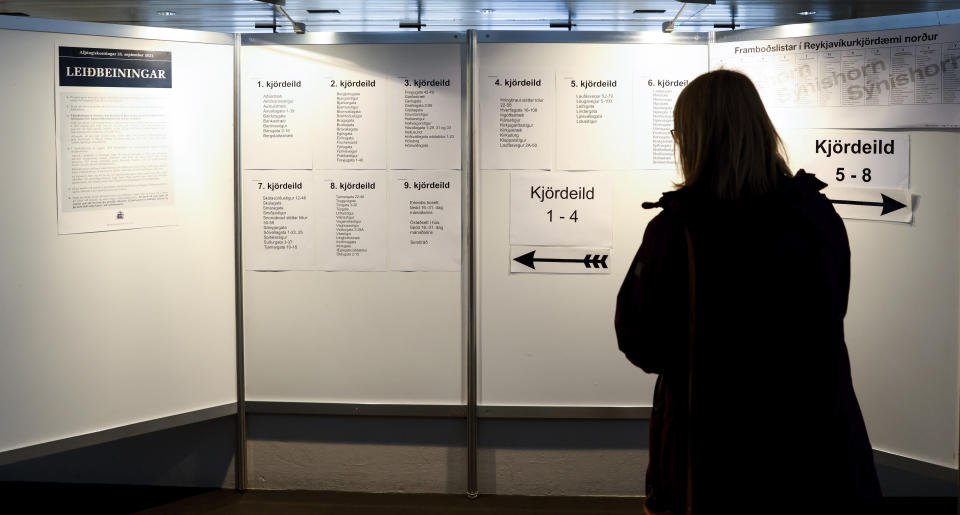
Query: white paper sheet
352	117
655	98
351	220
561	209
113	139
559	260
851	159
277	110
594	126
872	203
517	113
425	117
424	220
279	219
890	78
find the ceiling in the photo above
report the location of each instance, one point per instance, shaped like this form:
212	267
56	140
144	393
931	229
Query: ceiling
386	15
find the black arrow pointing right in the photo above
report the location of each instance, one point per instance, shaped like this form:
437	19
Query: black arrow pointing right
889	205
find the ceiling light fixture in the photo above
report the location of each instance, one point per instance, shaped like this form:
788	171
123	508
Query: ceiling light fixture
649	11
167	13
807	13
487	11
323	11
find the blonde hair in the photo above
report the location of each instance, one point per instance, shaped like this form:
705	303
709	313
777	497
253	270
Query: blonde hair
727	145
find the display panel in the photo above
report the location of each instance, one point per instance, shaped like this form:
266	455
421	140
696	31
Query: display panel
547	284
107	329
903	313
367	232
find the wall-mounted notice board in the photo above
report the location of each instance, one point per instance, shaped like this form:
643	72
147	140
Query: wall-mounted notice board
588	120
902	322
547	338
109	328
351	210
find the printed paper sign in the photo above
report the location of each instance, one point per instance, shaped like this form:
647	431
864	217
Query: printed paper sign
561	208
113	139
594	129
851	159
872	203
424	220
277	110
891	78
279	222
351	220
425	118
352	114
559	260
517	120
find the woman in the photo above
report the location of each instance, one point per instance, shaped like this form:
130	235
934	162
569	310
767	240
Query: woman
736	300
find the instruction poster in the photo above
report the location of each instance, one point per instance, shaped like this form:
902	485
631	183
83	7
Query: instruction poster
890	78
114	158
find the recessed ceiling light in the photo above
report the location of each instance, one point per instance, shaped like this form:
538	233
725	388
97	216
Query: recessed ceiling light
487	11
167	13
807	13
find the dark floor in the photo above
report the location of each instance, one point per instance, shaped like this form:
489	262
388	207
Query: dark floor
110	499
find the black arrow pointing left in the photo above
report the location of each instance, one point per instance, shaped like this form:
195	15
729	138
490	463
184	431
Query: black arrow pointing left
595	260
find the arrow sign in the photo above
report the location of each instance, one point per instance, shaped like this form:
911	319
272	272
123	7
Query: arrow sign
594	260
889	205
862	203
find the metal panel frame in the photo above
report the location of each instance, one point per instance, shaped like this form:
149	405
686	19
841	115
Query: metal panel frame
447	411
598	37
356	410
241	459
111	30
468	266
352	38
468	165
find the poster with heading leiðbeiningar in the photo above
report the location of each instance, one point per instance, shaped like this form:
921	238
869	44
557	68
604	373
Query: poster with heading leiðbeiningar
113	123
879	79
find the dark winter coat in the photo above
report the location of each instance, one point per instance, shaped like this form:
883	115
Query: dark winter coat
775	422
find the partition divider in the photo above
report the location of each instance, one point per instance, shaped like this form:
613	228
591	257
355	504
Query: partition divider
470	268
240	463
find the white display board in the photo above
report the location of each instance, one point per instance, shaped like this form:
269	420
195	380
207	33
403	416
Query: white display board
102	330
369	307
548	339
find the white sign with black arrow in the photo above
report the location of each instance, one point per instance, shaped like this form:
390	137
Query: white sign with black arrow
872	203
559	260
